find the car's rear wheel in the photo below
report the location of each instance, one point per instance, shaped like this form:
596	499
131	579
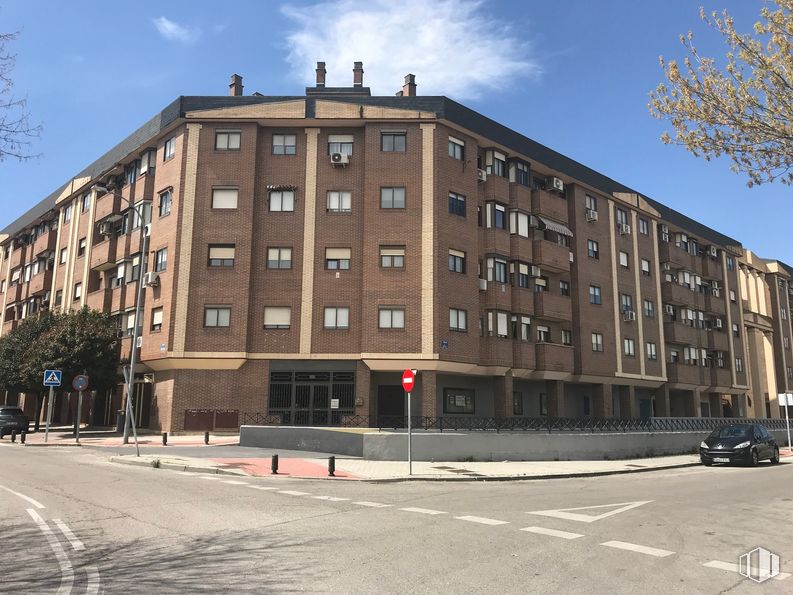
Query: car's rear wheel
775	458
755	458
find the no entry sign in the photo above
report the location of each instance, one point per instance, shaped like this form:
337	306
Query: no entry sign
408	380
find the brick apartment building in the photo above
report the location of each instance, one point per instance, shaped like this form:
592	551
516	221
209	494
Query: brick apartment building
304	250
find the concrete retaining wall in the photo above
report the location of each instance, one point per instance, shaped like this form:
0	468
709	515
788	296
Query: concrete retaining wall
325	440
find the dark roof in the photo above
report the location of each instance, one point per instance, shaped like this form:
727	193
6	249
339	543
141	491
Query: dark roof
444	107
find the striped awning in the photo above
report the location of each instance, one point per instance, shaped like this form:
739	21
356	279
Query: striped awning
554	226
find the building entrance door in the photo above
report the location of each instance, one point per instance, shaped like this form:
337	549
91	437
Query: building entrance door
391	404
645	408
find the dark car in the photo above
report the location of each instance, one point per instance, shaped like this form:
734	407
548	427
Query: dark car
739	443
12	418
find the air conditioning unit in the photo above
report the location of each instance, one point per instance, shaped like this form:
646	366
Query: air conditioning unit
147	230
591	215
713	251
482	284
535	271
106	228
628	315
625	229
339	158
669	309
139	342
151	279
718	323
481	175
552	183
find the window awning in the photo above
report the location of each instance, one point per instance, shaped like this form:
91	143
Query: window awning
554	226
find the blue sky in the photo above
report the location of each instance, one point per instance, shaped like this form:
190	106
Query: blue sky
572	74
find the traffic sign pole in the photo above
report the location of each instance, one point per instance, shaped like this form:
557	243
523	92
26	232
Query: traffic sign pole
410	440
788	403
79	415
49	413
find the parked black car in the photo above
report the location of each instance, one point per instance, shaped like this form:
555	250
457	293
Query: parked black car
739	443
12	418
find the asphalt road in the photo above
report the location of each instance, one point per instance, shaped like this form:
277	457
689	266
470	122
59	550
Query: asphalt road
72	520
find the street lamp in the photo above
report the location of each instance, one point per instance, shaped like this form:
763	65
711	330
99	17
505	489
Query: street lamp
129	419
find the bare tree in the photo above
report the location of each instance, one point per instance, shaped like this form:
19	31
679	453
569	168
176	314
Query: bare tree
16	131
743	110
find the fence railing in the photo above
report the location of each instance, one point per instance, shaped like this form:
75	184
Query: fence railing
515	424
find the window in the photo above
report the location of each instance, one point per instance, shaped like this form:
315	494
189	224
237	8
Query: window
597	342
456	148
567	337
282	200
63	255
644	228
2	286
519	223
733	299
499	167
337	258
160	260
738	364
501	322
730	263
645	267
169	149
541	284
789	372
284	144
521	173
279	258
517	403
735	330
543	334
78	291
337	318
391	318
458	320
458	400
85	203
520	274
277	317
221	255
674	356
649	309
623	259
392	142
594	295
217	316
497	270
339	201
564	288
626	300
456	204
392	257
392	198
156	319
227	140
651	351
67	213
784	314
224	198
141	208
340	143
499	216
58	298
785	340
591	202
628	347
148	161
521	328
593	249
166	199
456	261
622	217
81	247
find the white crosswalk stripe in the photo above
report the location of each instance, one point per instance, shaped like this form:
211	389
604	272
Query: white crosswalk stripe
639	549
422	510
481	520
552	532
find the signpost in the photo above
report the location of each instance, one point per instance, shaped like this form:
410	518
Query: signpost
786	399
408	382
79	383
52	378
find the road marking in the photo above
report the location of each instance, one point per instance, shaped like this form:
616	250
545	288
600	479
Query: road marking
422	510
67	572
38	505
731	567
372	504
212	477
293	493
552	532
77	545
639	549
567	513
92	586
330	498
259	487
481	520
234	482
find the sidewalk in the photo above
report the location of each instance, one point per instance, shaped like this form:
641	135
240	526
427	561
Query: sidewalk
63	436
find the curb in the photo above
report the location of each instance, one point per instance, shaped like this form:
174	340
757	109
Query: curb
158	464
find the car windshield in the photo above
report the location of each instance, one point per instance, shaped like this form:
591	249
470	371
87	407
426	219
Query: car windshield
732	432
11	411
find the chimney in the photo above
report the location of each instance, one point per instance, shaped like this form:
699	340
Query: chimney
357	74
409	88
321	74
235	86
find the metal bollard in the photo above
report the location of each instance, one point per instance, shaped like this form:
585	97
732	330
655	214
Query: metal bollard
206	437
331	466
274	465
165	438
22	436
13	435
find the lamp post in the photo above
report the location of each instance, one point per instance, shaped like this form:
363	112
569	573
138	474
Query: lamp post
129	376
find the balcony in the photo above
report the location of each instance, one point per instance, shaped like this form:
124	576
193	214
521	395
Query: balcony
99	300
495	351
523	355
498	296
720	377
553	357
519	197
495	240
677	257
683	334
523	300
548	204
682	373
520	248
674	293
106	205
551	256
40	283
718	340
10	326
45	243
13	293
715	304
552	306
496	187
711	268
103	255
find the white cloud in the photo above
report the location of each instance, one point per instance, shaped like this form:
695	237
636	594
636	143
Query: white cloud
174	31
452	46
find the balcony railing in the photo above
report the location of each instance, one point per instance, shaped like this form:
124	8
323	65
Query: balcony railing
549	204
551	256
676	332
552	306
683	373
554	357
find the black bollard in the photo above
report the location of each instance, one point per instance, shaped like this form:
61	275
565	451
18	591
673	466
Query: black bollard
274	465
206	437
13	435
22	436
165	438
331	466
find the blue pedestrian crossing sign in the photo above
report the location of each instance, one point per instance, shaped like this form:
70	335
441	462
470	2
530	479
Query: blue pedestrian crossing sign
52	377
